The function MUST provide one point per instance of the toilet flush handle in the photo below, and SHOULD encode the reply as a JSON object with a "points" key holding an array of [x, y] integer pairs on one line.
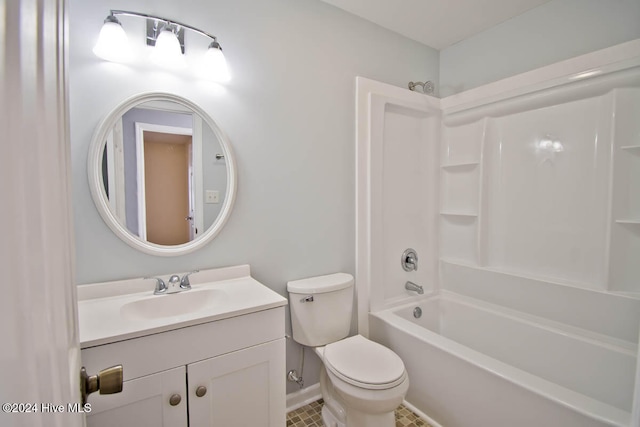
{"points": [[308, 298]]}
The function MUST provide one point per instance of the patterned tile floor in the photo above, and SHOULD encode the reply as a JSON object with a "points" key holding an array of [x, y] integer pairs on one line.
{"points": [[309, 416]]}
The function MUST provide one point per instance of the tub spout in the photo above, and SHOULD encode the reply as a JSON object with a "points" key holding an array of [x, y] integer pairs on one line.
{"points": [[410, 286]]}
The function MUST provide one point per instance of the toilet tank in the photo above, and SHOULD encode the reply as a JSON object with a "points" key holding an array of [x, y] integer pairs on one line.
{"points": [[321, 308]]}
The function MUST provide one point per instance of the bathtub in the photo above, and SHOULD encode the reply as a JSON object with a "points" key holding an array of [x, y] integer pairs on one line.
{"points": [[472, 363]]}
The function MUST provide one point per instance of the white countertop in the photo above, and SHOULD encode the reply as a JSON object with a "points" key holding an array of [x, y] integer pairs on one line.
{"points": [[103, 320]]}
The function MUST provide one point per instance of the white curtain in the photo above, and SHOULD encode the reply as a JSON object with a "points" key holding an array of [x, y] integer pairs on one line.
{"points": [[39, 352]]}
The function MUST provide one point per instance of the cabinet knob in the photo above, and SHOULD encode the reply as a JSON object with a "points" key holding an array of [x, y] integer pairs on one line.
{"points": [[201, 391], [175, 399]]}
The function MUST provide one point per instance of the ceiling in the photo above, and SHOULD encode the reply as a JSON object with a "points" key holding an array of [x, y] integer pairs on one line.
{"points": [[436, 23]]}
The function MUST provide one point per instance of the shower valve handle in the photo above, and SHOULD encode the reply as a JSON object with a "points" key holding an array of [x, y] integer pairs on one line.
{"points": [[409, 260]]}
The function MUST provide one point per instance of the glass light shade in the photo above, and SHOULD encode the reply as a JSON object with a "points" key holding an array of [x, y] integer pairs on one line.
{"points": [[113, 44], [214, 65], [167, 52]]}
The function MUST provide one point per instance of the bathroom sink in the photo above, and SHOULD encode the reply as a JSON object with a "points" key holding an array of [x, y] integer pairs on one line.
{"points": [[115, 311], [186, 302]]}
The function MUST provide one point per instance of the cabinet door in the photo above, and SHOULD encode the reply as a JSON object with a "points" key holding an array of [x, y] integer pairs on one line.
{"points": [[143, 402], [243, 388]]}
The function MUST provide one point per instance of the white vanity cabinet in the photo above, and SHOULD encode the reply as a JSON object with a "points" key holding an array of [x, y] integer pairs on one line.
{"points": [[226, 373], [243, 388], [143, 402]]}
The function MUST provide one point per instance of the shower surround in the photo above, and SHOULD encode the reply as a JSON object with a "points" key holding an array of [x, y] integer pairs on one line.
{"points": [[522, 200]]}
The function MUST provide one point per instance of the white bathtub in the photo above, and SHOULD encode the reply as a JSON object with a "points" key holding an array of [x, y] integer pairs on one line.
{"points": [[472, 363]]}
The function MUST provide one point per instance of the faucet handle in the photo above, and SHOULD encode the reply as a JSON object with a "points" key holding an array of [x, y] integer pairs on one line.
{"points": [[409, 260], [161, 287], [184, 283]]}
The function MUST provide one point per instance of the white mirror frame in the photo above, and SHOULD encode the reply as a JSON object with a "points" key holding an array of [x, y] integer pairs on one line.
{"points": [[94, 171]]}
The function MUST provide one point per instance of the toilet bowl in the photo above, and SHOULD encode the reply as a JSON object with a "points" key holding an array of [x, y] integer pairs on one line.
{"points": [[362, 382]]}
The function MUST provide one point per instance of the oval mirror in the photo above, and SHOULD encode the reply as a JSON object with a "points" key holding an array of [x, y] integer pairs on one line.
{"points": [[162, 174]]}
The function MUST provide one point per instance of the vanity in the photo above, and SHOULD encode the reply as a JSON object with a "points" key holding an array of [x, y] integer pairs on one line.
{"points": [[213, 355], [209, 348]]}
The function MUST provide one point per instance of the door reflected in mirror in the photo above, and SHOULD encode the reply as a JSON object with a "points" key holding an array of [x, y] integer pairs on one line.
{"points": [[163, 173]]}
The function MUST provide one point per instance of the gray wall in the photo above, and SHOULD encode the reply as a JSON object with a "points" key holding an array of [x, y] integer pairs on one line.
{"points": [[555, 31], [289, 113], [214, 174]]}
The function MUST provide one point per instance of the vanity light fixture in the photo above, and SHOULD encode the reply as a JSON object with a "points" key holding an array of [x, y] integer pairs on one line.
{"points": [[167, 51], [112, 44], [167, 38], [214, 64]]}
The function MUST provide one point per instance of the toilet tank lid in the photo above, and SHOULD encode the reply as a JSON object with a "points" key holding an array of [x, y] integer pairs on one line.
{"points": [[320, 284]]}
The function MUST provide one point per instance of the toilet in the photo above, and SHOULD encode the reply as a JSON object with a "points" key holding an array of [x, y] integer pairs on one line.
{"points": [[362, 382]]}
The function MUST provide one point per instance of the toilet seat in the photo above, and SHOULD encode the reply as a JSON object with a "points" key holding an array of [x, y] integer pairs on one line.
{"points": [[364, 363]]}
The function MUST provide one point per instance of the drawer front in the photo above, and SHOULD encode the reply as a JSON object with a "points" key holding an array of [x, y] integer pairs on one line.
{"points": [[166, 350]]}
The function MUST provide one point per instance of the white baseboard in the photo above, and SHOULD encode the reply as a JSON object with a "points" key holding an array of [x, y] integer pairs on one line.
{"points": [[303, 397], [421, 414]]}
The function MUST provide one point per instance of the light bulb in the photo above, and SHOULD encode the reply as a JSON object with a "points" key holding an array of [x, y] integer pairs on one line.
{"points": [[167, 52], [214, 65], [112, 44]]}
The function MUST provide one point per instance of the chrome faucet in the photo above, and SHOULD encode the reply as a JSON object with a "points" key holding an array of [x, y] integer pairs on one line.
{"points": [[410, 286], [161, 287], [176, 284], [185, 285], [409, 260]]}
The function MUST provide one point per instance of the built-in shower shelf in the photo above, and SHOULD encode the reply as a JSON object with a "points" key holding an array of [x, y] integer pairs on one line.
{"points": [[460, 166], [633, 148], [628, 221], [459, 214]]}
